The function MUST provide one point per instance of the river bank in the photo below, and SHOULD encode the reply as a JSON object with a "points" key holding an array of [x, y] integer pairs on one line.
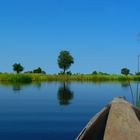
{"points": [[28, 78]]}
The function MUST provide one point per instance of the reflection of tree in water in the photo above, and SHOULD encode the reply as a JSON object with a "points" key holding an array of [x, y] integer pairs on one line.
{"points": [[38, 85], [65, 95], [138, 96], [17, 87], [125, 85], [137, 101]]}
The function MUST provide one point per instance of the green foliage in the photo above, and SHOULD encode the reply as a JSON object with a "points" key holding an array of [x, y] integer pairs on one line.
{"points": [[138, 73], [69, 73], [15, 78], [94, 72], [28, 72], [20, 78], [26, 78], [65, 60], [18, 68], [61, 73], [99, 73], [103, 73], [125, 71], [38, 70]]}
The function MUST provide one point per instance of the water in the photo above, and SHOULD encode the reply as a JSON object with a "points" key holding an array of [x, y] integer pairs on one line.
{"points": [[51, 111]]}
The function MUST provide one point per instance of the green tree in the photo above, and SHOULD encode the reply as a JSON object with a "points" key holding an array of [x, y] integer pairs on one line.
{"points": [[94, 72], [18, 67], [125, 71], [38, 70], [65, 60]]}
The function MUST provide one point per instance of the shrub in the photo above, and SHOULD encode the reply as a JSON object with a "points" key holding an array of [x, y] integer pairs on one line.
{"points": [[21, 78]]}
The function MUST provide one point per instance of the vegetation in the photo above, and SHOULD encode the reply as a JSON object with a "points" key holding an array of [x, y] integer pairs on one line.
{"points": [[99, 73], [15, 78], [18, 68], [137, 73], [94, 72], [125, 71], [37, 71], [26, 78], [65, 60]]}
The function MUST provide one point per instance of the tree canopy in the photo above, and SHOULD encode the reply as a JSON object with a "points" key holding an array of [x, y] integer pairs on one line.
{"points": [[125, 71], [38, 70], [18, 67], [65, 59]]}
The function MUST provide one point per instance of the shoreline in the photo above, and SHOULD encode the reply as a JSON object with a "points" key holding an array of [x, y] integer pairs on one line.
{"points": [[29, 78]]}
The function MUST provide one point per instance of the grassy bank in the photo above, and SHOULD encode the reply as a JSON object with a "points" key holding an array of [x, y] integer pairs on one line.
{"points": [[28, 78], [14, 78]]}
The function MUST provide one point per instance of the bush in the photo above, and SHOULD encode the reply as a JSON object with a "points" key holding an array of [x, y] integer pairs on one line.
{"points": [[137, 73], [94, 72], [69, 73], [21, 78]]}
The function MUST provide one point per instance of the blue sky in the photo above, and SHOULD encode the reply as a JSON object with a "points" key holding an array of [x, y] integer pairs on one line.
{"points": [[100, 34]]}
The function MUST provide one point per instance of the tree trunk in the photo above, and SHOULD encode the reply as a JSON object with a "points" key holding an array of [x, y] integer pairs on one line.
{"points": [[64, 70]]}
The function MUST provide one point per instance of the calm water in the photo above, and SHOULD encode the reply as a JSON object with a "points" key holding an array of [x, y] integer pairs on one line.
{"points": [[51, 111]]}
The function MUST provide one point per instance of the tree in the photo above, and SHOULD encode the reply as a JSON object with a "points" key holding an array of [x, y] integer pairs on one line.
{"points": [[125, 71], [65, 60], [18, 68], [38, 70], [94, 72]]}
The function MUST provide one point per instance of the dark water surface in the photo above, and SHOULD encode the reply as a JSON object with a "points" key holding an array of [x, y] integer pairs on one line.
{"points": [[51, 111]]}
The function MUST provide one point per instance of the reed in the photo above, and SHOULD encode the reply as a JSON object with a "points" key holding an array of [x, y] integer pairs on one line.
{"points": [[15, 78], [27, 78]]}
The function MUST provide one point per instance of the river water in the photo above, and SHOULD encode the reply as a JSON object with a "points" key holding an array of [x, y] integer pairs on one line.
{"points": [[50, 111]]}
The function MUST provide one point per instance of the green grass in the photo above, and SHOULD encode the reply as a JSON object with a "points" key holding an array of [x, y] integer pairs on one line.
{"points": [[15, 78], [28, 78]]}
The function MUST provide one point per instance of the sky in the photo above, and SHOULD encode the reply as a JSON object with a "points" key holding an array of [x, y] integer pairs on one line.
{"points": [[101, 35]]}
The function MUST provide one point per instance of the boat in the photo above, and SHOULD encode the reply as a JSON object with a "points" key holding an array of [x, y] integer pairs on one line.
{"points": [[119, 120]]}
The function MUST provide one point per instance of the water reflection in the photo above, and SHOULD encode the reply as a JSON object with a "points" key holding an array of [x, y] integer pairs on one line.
{"points": [[128, 85], [125, 84], [137, 95], [65, 95], [38, 85], [16, 88]]}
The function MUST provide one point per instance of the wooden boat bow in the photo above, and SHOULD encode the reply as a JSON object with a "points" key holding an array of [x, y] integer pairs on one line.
{"points": [[122, 123], [117, 121]]}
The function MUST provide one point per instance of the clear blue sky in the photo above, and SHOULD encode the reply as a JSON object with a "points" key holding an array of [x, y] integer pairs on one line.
{"points": [[100, 34]]}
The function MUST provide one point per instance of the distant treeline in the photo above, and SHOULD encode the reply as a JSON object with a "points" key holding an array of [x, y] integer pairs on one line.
{"points": [[64, 61]]}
